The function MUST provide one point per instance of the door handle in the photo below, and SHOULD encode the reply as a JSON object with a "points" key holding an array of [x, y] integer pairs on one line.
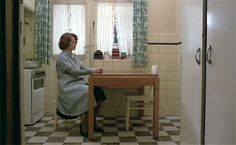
{"points": [[197, 56], [208, 55]]}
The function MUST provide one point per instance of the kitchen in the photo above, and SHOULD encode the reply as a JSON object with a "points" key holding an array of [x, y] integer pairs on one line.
{"points": [[165, 50]]}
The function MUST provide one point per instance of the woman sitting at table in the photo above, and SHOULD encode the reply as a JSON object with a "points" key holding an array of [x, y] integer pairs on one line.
{"points": [[73, 90]]}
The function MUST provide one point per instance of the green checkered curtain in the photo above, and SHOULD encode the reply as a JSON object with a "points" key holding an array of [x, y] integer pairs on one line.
{"points": [[43, 31], [140, 34]]}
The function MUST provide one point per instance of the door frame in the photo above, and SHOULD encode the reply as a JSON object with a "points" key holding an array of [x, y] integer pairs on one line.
{"points": [[203, 89], [11, 133], [3, 73]]}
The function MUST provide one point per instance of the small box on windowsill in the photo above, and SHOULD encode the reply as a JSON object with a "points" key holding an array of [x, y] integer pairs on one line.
{"points": [[98, 54], [123, 55], [115, 53]]}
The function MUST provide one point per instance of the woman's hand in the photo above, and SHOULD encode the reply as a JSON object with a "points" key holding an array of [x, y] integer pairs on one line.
{"points": [[97, 71]]}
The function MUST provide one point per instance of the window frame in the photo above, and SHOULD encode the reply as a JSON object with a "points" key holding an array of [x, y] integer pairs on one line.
{"points": [[95, 22]]}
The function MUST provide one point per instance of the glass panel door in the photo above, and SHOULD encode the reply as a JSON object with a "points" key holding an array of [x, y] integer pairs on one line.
{"points": [[72, 16]]}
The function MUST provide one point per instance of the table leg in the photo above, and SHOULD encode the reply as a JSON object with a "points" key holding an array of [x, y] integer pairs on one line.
{"points": [[156, 112], [141, 111], [90, 110]]}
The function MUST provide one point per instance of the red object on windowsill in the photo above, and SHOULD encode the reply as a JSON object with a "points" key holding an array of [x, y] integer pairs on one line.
{"points": [[115, 53]]}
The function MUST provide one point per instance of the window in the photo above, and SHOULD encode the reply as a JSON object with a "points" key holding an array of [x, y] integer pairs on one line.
{"points": [[123, 11], [69, 18]]}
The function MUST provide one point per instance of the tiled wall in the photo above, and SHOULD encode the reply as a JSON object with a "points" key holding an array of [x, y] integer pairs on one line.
{"points": [[29, 34], [167, 57]]}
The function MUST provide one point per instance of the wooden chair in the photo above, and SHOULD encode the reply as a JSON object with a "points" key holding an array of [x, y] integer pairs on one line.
{"points": [[146, 99], [56, 117]]}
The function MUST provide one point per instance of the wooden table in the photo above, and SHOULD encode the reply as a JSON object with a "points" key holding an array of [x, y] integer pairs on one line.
{"points": [[123, 81]]}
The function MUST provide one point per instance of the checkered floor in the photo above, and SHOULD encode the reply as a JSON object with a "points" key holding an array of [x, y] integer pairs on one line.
{"points": [[67, 132]]}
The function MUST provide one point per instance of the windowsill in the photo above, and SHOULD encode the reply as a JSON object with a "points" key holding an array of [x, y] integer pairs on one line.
{"points": [[82, 57], [110, 59]]}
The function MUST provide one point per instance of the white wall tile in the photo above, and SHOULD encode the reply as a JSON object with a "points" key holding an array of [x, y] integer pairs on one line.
{"points": [[153, 37], [163, 76], [173, 49], [107, 66], [163, 93], [171, 102], [163, 67], [178, 58], [172, 93], [164, 38], [172, 84], [172, 76], [163, 85], [172, 66], [29, 35], [154, 58], [116, 66], [163, 102], [164, 49], [164, 58], [154, 49], [126, 66], [172, 58], [174, 38], [98, 63]]}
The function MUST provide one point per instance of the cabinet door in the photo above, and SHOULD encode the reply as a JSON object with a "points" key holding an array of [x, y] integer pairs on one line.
{"points": [[191, 16], [220, 74]]}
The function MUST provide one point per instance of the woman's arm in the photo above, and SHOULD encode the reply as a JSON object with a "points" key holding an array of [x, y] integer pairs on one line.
{"points": [[94, 70], [64, 65]]}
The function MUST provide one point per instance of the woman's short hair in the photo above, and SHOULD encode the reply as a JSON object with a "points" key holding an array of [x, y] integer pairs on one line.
{"points": [[65, 39]]}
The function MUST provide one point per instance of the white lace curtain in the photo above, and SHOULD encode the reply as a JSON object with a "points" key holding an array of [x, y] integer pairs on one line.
{"points": [[69, 18], [124, 26], [74, 20]]}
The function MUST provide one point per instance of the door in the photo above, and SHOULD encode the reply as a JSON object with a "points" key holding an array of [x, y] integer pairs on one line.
{"points": [[191, 20], [220, 74], [73, 16]]}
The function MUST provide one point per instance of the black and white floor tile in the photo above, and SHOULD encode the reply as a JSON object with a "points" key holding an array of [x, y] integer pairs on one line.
{"points": [[140, 133]]}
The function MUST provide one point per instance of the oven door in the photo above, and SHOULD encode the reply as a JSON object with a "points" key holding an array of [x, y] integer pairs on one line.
{"points": [[38, 98]]}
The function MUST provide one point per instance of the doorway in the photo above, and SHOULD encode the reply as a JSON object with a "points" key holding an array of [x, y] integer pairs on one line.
{"points": [[167, 55]]}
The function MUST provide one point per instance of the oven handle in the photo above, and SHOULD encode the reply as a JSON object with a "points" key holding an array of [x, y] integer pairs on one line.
{"points": [[38, 78]]}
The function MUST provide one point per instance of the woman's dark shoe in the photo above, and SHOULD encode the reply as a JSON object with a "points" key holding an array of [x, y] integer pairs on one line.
{"points": [[98, 129], [85, 134]]}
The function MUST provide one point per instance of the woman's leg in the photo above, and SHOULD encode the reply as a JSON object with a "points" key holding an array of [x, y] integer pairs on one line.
{"points": [[85, 119], [84, 126], [85, 123], [96, 111], [99, 97]]}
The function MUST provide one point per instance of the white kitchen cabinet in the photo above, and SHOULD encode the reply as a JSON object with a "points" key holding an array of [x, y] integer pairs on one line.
{"points": [[220, 72], [30, 4], [208, 97], [191, 27]]}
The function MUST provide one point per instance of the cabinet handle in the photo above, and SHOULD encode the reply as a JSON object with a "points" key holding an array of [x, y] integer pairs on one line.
{"points": [[208, 57], [197, 56]]}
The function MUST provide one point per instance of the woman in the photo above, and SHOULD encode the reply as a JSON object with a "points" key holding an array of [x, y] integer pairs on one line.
{"points": [[73, 90]]}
